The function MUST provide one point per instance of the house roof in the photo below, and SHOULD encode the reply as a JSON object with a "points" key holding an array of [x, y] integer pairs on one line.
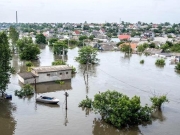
{"points": [[122, 37], [27, 75], [77, 32], [133, 45], [51, 68]]}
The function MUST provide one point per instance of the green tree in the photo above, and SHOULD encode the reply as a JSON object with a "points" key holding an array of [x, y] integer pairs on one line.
{"points": [[165, 47], [59, 46], [5, 57], [27, 90], [52, 41], [177, 67], [28, 50], [87, 54], [40, 39], [160, 62], [126, 48], [58, 62], [91, 37], [14, 36], [118, 109], [140, 48], [81, 38], [157, 101], [152, 45]]}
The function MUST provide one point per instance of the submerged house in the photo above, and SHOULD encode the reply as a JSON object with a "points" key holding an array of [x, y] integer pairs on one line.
{"points": [[46, 74]]}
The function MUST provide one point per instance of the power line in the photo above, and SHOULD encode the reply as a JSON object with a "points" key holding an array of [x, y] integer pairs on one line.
{"points": [[134, 86]]}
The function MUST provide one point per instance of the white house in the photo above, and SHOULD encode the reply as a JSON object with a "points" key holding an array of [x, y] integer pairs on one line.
{"points": [[46, 74]]}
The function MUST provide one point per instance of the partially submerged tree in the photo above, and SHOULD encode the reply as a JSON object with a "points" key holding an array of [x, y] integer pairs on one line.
{"points": [[177, 67], [52, 41], [157, 101], [118, 109], [5, 57], [87, 54], [160, 62], [58, 62], [40, 39], [28, 50], [27, 90], [126, 48], [60, 47], [81, 38], [14, 36]]}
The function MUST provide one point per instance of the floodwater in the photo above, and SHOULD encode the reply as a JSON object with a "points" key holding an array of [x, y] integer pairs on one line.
{"points": [[23, 116]]}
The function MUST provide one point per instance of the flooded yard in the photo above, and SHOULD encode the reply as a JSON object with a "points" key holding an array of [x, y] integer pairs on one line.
{"points": [[114, 72]]}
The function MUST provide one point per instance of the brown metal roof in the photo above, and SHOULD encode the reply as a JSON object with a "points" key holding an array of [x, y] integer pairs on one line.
{"points": [[51, 68]]}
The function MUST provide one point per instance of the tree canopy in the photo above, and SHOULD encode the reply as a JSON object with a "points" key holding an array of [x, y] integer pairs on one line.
{"points": [[126, 48], [14, 36], [27, 49], [40, 39], [52, 41], [5, 57], [118, 109], [83, 37], [87, 54], [59, 46]]}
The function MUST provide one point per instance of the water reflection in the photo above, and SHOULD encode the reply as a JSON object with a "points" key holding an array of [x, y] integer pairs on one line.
{"points": [[48, 105], [87, 110], [66, 118], [53, 87], [158, 115], [41, 46], [7, 122], [91, 69], [102, 128], [57, 57]]}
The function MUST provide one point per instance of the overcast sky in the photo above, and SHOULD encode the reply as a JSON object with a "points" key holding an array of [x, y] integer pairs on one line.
{"points": [[90, 10]]}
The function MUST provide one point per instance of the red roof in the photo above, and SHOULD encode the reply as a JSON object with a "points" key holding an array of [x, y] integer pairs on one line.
{"points": [[77, 32], [124, 37]]}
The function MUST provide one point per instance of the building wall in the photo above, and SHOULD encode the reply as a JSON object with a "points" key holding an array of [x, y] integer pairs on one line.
{"points": [[30, 81], [21, 79], [53, 76]]}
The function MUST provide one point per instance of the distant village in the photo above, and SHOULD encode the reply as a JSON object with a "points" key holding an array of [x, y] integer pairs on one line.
{"points": [[107, 36]]}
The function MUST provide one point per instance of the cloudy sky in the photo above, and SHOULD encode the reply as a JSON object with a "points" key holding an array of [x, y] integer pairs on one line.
{"points": [[90, 10]]}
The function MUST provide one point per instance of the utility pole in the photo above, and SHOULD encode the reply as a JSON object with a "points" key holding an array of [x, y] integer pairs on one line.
{"points": [[66, 95]]}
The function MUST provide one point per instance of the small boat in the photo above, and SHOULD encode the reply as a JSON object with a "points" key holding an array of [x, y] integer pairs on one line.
{"points": [[6, 96], [47, 100]]}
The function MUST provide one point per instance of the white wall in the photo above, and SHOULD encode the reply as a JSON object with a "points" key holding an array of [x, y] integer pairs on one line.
{"points": [[43, 77]]}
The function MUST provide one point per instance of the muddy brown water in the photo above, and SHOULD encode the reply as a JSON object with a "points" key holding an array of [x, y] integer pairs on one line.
{"points": [[115, 72]]}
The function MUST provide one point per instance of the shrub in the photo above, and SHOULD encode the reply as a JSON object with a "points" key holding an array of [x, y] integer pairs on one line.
{"points": [[58, 62], [86, 103], [13, 71], [177, 67], [29, 64], [118, 109], [146, 53], [60, 82], [25, 91], [160, 62], [73, 70], [157, 101], [142, 61]]}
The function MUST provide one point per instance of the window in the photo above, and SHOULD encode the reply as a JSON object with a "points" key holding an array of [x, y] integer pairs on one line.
{"points": [[48, 74], [60, 73], [66, 72]]}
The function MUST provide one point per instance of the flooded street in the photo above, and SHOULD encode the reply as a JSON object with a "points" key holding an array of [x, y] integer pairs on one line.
{"points": [[114, 72]]}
